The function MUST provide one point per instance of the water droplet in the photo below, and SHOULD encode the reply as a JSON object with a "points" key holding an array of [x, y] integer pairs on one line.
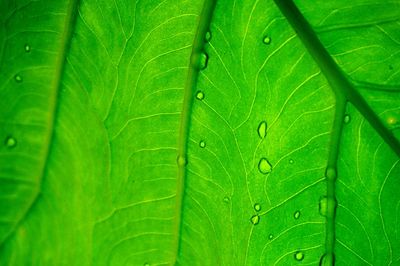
{"points": [[299, 256], [18, 78], [10, 142], [346, 119], [267, 40], [392, 120], [330, 173], [226, 199], [291, 161], [270, 236], [296, 215], [200, 95], [255, 219], [262, 129], [264, 166], [208, 36], [327, 259], [181, 160], [203, 61], [27, 48], [257, 207], [323, 206], [202, 144], [146, 264]]}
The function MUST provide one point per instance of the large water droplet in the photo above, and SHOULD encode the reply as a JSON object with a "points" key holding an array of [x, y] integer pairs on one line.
{"points": [[10, 142], [203, 61], [27, 48], [296, 215], [18, 78], [264, 166], [262, 129], [208, 36], [267, 40], [257, 207], [255, 219], [181, 160], [330, 173], [346, 119], [200, 95], [202, 144], [323, 206], [299, 256]]}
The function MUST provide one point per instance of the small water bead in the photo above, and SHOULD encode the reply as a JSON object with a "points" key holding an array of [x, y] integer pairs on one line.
{"points": [[330, 173], [200, 95], [10, 142], [18, 78], [208, 36], [392, 120], [226, 199], [296, 215], [203, 61], [299, 256], [146, 264], [323, 206], [255, 219], [264, 166], [262, 129], [257, 207], [181, 160], [346, 119], [291, 161], [271, 236], [267, 40], [27, 48], [202, 144]]}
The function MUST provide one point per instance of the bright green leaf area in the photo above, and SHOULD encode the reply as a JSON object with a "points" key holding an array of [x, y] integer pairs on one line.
{"points": [[188, 132]]}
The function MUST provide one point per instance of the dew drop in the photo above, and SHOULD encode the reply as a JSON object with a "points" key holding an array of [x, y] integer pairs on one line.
{"points": [[392, 121], [10, 142], [27, 48], [257, 207], [181, 160], [146, 264], [255, 219], [323, 206], [262, 129], [330, 173], [18, 78], [202, 144], [264, 166], [226, 199], [346, 119], [291, 161], [299, 256], [200, 95], [208, 36], [270, 236], [267, 40], [296, 215], [203, 61]]}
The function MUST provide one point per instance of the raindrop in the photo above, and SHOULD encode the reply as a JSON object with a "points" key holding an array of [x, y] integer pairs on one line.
{"points": [[257, 207], [226, 199], [262, 129], [146, 264], [202, 144], [346, 119], [299, 256], [203, 61], [10, 142], [291, 161], [208, 36], [296, 215], [18, 78], [330, 173], [255, 219], [323, 206], [270, 236], [267, 40], [391, 121], [181, 160], [27, 48], [264, 166], [200, 95]]}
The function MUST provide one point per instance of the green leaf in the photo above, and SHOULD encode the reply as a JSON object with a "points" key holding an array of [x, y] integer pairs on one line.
{"points": [[199, 132]]}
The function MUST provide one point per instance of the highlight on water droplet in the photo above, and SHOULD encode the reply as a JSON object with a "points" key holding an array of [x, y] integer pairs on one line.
{"points": [[181, 160], [257, 207], [296, 215], [202, 144], [262, 129], [323, 206], [330, 173], [264, 166], [346, 119], [18, 78], [208, 36], [271, 236], [299, 256], [291, 161], [200, 95], [391, 120], [255, 219], [267, 40], [10, 142], [203, 61], [27, 48]]}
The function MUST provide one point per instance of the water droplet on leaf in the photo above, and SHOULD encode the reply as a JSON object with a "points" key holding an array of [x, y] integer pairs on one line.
{"points": [[27, 48], [346, 119], [203, 61], [296, 215], [208, 36], [264, 166], [267, 40], [257, 207], [392, 121], [146, 264], [270, 236], [181, 160], [330, 173], [200, 95], [299, 256], [10, 142], [18, 78], [262, 129], [226, 199], [291, 161], [255, 219], [323, 206], [202, 144]]}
